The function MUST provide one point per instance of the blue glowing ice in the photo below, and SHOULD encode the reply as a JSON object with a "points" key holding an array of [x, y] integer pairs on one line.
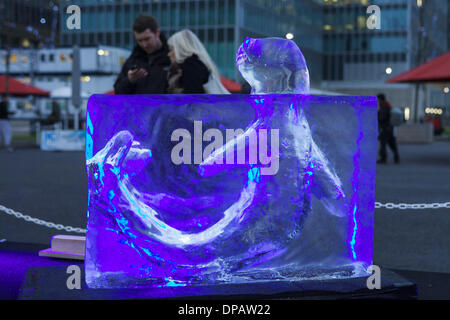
{"points": [[297, 204], [273, 65]]}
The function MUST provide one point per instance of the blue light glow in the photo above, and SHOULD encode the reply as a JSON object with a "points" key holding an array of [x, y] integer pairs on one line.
{"points": [[174, 226], [355, 186]]}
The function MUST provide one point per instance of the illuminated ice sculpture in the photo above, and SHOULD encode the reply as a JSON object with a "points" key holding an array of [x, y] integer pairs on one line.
{"points": [[206, 189]]}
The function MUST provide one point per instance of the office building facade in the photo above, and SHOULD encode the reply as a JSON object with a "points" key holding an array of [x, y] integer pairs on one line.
{"points": [[221, 25], [359, 60], [29, 23], [342, 53]]}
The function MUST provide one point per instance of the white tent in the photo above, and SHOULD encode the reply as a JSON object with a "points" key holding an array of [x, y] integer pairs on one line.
{"points": [[326, 93], [64, 96], [65, 93]]}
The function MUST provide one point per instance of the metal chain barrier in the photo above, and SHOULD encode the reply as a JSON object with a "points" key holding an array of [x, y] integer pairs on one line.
{"points": [[41, 222], [414, 206], [378, 205]]}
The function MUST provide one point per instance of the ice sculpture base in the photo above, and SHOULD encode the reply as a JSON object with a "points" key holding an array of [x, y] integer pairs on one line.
{"points": [[44, 283], [117, 280]]}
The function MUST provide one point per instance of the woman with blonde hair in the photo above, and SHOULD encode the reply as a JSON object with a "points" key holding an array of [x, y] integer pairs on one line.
{"points": [[192, 69]]}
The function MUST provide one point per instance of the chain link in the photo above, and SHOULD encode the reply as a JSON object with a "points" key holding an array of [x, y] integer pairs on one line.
{"points": [[414, 206], [41, 222], [378, 205]]}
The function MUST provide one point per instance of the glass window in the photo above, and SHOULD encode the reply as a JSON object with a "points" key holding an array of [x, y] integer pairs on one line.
{"points": [[394, 57], [221, 12], [325, 68], [231, 59], [165, 15], [109, 19], [127, 40], [221, 55], [101, 18], [91, 20], [83, 39], [127, 21], [155, 10], [191, 13], [340, 71], [210, 48], [361, 22], [387, 44], [109, 39], [202, 19], [182, 14], [174, 14], [231, 13], [394, 19], [119, 19], [201, 35], [212, 13]]}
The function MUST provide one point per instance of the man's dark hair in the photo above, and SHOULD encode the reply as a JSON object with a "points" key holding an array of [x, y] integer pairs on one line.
{"points": [[381, 96], [144, 22]]}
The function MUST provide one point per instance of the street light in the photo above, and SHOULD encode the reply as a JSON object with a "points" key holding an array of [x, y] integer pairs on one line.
{"points": [[407, 113], [388, 70], [25, 43], [289, 36]]}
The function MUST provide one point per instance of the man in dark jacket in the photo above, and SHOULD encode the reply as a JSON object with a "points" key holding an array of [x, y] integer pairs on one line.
{"points": [[386, 130], [5, 126], [145, 71]]}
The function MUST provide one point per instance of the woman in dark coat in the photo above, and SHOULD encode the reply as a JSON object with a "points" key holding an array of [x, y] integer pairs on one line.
{"points": [[191, 70]]}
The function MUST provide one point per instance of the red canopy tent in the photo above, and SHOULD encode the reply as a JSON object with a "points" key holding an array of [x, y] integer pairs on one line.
{"points": [[19, 88], [229, 84], [435, 70]]}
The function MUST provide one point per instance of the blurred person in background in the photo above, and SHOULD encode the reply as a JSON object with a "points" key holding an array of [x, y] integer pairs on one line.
{"points": [[5, 126], [192, 69], [386, 130], [145, 71], [55, 116], [246, 88]]}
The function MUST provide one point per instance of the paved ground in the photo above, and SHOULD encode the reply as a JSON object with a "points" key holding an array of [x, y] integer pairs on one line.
{"points": [[414, 239], [47, 185], [52, 186]]}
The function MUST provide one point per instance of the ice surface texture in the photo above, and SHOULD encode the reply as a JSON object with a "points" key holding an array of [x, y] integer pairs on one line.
{"points": [[273, 65], [152, 222], [295, 201]]}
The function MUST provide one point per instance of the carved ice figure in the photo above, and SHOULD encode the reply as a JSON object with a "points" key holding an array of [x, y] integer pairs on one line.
{"points": [[214, 221], [276, 65], [110, 170], [273, 65]]}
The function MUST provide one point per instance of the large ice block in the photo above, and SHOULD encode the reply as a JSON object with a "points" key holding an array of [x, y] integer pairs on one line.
{"points": [[297, 204]]}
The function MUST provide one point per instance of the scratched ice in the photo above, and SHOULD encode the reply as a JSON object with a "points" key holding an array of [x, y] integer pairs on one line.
{"points": [[152, 222], [273, 65]]}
